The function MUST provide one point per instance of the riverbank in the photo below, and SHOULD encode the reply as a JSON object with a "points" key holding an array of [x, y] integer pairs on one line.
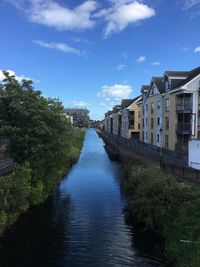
{"points": [[162, 203], [168, 207], [29, 185]]}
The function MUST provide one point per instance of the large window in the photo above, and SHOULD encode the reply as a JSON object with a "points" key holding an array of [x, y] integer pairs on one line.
{"points": [[152, 123], [152, 108], [166, 141], [158, 104], [166, 123], [158, 138], [152, 138], [167, 104], [158, 121]]}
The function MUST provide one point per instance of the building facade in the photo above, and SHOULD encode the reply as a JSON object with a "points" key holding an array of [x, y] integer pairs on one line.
{"points": [[80, 116], [130, 117]]}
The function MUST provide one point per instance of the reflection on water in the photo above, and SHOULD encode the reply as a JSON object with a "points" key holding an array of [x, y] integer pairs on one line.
{"points": [[82, 224]]}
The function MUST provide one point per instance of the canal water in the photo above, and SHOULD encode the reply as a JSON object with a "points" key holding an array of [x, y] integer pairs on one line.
{"points": [[82, 224]]}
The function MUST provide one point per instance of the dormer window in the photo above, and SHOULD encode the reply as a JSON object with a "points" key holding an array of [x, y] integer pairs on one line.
{"points": [[167, 85]]}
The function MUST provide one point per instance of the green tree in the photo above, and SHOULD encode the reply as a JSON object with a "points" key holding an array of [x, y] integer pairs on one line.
{"points": [[32, 123]]}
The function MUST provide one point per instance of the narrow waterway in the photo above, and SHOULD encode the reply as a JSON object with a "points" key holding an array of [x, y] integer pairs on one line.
{"points": [[82, 224]]}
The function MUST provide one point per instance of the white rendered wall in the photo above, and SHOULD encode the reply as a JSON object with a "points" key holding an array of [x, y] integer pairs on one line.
{"points": [[194, 154]]}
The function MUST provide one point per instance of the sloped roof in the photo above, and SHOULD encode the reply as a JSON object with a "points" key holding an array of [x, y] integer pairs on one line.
{"points": [[116, 108], [175, 82], [193, 73], [144, 89], [126, 102], [159, 84], [177, 73]]}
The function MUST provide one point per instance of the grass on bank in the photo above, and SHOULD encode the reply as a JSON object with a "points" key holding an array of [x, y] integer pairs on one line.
{"points": [[169, 207]]}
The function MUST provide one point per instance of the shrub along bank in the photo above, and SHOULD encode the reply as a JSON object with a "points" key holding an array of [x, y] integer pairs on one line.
{"points": [[41, 142], [169, 207]]}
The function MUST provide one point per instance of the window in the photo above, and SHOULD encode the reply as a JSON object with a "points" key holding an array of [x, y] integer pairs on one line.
{"points": [[158, 104], [146, 107], [167, 104], [166, 141], [152, 123], [146, 121], [152, 108], [142, 136], [168, 85], [158, 121], [166, 123], [146, 136], [158, 138], [143, 122], [152, 138]]}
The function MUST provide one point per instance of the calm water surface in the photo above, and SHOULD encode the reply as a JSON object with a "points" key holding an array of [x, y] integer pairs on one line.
{"points": [[82, 224]]}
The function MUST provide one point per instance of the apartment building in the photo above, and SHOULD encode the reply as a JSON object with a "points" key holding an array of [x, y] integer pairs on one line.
{"points": [[167, 114], [181, 108], [143, 114], [171, 110], [130, 117], [152, 120], [79, 116], [117, 120], [108, 122]]}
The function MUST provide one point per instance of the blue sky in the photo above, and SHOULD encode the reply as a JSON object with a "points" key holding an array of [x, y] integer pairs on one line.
{"points": [[94, 53]]}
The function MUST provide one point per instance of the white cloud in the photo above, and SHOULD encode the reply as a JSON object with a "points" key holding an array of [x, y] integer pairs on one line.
{"points": [[121, 67], [156, 63], [52, 14], [102, 104], [12, 73], [141, 59], [80, 104], [197, 49], [115, 92], [124, 55], [79, 40], [122, 13], [61, 47], [190, 3]]}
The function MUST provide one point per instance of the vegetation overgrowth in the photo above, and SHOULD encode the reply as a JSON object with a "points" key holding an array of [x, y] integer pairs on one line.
{"points": [[169, 207], [42, 143]]}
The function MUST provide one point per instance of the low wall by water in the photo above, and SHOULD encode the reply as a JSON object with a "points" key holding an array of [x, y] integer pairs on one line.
{"points": [[173, 162]]}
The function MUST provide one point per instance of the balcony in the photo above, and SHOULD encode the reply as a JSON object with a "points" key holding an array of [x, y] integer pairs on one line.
{"points": [[184, 128], [184, 108], [182, 147], [130, 117], [131, 126]]}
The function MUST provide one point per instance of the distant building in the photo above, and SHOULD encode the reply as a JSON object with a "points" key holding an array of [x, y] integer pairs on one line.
{"points": [[130, 117], [79, 117]]}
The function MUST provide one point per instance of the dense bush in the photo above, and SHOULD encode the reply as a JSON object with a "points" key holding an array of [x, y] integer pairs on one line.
{"points": [[42, 143], [169, 207]]}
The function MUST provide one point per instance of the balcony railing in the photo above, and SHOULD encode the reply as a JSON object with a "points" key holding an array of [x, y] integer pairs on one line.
{"points": [[184, 128], [184, 108], [182, 147], [130, 118], [131, 126]]}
